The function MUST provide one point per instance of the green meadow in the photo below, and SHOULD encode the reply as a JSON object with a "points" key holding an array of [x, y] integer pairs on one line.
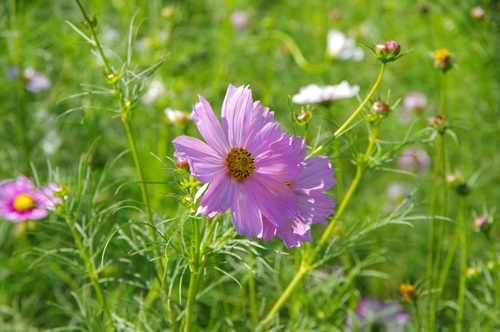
{"points": [[94, 92]]}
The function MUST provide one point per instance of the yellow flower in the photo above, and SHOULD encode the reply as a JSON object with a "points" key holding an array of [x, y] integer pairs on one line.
{"points": [[443, 59]]}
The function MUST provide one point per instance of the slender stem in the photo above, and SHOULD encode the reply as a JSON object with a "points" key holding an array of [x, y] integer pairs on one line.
{"points": [[417, 315], [363, 104], [463, 263], [346, 124], [195, 278], [251, 291], [309, 257], [297, 55], [286, 294], [434, 254], [125, 110]]}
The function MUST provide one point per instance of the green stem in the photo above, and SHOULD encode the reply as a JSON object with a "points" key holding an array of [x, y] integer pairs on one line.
{"points": [[125, 110], [433, 263], [309, 258], [195, 278], [463, 264], [346, 124], [251, 291], [417, 315], [297, 54]]}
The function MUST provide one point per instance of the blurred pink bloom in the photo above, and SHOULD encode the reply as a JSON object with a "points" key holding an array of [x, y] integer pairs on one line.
{"points": [[313, 93], [20, 200], [375, 315], [239, 20], [414, 159], [34, 81], [415, 101]]}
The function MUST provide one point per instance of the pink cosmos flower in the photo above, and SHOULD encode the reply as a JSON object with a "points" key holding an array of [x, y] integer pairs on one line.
{"points": [[375, 315], [20, 200], [313, 205], [414, 159], [246, 161], [276, 192]]}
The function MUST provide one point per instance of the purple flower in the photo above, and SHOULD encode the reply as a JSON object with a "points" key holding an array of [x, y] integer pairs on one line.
{"points": [[20, 200], [373, 313], [313, 205], [414, 160], [239, 20], [247, 162], [415, 101], [34, 81]]}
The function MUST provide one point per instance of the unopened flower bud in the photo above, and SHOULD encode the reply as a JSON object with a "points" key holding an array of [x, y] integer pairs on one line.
{"points": [[472, 273], [181, 163], [463, 189], [482, 224], [380, 107], [438, 122], [387, 52], [443, 59], [408, 291], [304, 117]]}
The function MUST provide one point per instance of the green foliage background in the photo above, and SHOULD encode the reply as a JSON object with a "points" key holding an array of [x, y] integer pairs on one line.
{"points": [[202, 53]]}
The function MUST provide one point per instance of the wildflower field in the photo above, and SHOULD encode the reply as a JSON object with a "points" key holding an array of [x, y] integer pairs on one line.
{"points": [[229, 165]]}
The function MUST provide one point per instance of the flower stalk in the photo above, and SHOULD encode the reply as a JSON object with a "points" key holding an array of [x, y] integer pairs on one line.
{"points": [[309, 257], [342, 129]]}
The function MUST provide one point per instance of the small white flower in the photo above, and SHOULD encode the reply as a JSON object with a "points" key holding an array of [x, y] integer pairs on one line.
{"points": [[177, 117], [313, 93], [341, 48], [156, 89]]}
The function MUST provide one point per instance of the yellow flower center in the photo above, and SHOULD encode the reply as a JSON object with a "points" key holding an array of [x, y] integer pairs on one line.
{"points": [[288, 184], [24, 202], [240, 164]]}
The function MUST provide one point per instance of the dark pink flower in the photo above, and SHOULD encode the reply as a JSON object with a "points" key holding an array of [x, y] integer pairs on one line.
{"points": [[20, 200]]}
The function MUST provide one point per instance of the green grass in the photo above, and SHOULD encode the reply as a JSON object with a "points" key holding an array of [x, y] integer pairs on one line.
{"points": [[73, 134]]}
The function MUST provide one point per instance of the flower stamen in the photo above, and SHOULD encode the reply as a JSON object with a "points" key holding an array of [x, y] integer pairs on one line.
{"points": [[240, 164], [23, 202]]}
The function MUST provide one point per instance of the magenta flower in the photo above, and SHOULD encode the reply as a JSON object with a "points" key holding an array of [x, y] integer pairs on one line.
{"points": [[313, 205], [247, 161], [20, 200], [375, 315]]}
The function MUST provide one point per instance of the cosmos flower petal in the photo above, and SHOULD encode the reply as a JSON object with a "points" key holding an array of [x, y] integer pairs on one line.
{"points": [[218, 197], [236, 114], [205, 164], [278, 200], [269, 230], [247, 218], [317, 174], [278, 160], [293, 233], [209, 127]]}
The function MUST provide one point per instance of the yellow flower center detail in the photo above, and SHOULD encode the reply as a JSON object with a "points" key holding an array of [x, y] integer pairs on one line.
{"points": [[240, 164], [288, 184], [24, 202]]}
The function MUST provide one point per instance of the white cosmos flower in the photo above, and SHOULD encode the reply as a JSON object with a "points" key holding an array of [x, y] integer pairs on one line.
{"points": [[339, 47], [156, 89], [313, 93], [177, 117]]}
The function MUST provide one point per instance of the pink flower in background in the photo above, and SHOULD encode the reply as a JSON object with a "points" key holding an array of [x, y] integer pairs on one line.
{"points": [[34, 81], [375, 315], [20, 200], [414, 160], [313, 205], [246, 161], [415, 101], [239, 20]]}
